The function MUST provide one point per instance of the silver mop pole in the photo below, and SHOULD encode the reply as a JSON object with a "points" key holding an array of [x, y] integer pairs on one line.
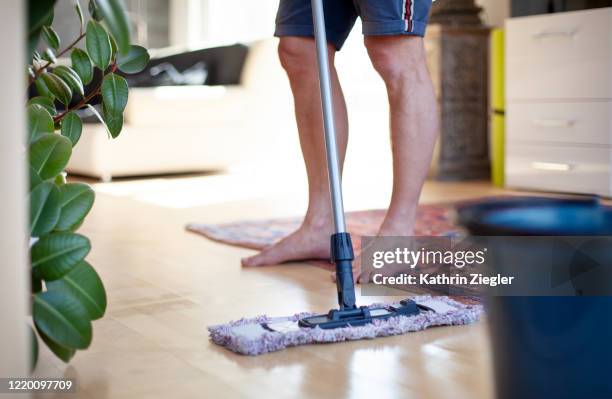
{"points": [[341, 245], [333, 165]]}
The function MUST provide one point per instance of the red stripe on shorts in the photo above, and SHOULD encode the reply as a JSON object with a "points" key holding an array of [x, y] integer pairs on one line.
{"points": [[409, 14]]}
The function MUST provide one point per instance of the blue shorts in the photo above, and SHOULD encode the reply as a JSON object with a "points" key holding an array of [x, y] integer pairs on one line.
{"points": [[379, 18]]}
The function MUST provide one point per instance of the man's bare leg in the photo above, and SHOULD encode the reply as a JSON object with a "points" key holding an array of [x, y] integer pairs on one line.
{"points": [[402, 64], [311, 240]]}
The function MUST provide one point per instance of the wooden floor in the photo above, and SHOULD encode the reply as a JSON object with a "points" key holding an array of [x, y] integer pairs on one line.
{"points": [[166, 285]]}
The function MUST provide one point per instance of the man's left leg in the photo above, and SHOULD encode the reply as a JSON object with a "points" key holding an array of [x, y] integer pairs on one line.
{"points": [[401, 62]]}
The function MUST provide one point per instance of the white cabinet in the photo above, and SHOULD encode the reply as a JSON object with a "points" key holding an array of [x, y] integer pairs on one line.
{"points": [[559, 102]]}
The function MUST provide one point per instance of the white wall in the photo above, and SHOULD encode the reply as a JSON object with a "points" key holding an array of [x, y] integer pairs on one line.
{"points": [[13, 286], [215, 22], [495, 11], [185, 15], [240, 20]]}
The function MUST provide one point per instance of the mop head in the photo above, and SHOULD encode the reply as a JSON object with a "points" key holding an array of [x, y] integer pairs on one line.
{"points": [[251, 337]]}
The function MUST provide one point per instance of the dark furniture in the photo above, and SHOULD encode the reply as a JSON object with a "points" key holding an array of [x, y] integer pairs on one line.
{"points": [[224, 65], [458, 55]]}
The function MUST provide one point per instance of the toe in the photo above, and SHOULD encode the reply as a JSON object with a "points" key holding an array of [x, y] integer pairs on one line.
{"points": [[268, 256], [253, 261], [247, 262]]}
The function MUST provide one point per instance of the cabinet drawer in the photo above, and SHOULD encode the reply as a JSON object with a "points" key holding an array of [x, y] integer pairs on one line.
{"points": [[565, 55], [557, 168], [581, 122]]}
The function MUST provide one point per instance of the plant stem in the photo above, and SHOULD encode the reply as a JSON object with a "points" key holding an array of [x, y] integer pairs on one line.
{"points": [[38, 71], [80, 104], [85, 99]]}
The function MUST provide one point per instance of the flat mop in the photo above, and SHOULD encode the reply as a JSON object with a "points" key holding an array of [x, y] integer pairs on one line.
{"points": [[349, 322]]}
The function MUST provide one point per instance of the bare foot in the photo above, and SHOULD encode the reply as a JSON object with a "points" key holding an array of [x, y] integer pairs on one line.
{"points": [[307, 242]]}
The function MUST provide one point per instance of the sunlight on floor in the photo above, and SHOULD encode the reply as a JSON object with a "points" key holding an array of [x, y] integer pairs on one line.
{"points": [[382, 365], [363, 188], [190, 192]]}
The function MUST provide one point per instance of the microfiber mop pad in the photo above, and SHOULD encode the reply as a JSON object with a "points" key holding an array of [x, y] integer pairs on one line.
{"points": [[251, 337]]}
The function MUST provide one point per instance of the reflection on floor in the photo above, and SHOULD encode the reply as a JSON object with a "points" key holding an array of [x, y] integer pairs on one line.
{"points": [[166, 285]]}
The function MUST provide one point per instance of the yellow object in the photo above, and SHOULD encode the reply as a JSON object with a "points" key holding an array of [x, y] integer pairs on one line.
{"points": [[498, 125], [498, 107]]}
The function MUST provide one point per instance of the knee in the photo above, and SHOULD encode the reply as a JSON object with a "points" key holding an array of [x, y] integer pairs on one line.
{"points": [[385, 61], [398, 60], [297, 56]]}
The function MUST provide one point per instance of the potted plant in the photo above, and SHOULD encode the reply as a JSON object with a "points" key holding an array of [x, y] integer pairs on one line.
{"points": [[67, 293]]}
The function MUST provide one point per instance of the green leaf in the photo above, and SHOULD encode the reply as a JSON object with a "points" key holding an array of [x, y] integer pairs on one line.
{"points": [[32, 43], [60, 179], [42, 88], [116, 19], [33, 349], [99, 117], [35, 180], [75, 203], [39, 121], [65, 354], [72, 127], [72, 79], [94, 11], [36, 283], [134, 61], [98, 45], [58, 87], [44, 102], [62, 319], [39, 13], [44, 209], [56, 254], [49, 55], [113, 48], [49, 155], [84, 285], [114, 122], [51, 37], [79, 11], [114, 93], [82, 65]]}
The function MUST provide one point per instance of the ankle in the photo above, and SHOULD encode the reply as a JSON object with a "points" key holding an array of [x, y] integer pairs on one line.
{"points": [[398, 224], [318, 222]]}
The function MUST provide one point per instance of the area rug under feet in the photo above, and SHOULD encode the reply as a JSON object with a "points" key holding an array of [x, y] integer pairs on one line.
{"points": [[432, 220]]}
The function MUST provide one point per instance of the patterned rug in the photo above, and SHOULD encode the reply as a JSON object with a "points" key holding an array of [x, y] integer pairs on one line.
{"points": [[432, 220]]}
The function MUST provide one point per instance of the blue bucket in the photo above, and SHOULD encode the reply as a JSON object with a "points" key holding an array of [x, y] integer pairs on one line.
{"points": [[547, 347]]}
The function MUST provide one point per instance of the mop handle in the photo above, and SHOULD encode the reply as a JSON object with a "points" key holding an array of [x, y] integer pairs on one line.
{"points": [[333, 168]]}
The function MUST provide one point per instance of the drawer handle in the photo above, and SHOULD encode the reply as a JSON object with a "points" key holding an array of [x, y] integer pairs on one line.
{"points": [[552, 166], [551, 33], [553, 122]]}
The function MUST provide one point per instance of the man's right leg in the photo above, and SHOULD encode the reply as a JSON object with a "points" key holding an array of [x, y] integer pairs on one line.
{"points": [[311, 240]]}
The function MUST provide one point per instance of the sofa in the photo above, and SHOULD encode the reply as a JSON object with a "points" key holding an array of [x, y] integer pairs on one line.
{"points": [[195, 128]]}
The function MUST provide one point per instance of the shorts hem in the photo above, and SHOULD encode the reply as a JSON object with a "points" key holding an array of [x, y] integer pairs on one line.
{"points": [[293, 30], [394, 28], [335, 37]]}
